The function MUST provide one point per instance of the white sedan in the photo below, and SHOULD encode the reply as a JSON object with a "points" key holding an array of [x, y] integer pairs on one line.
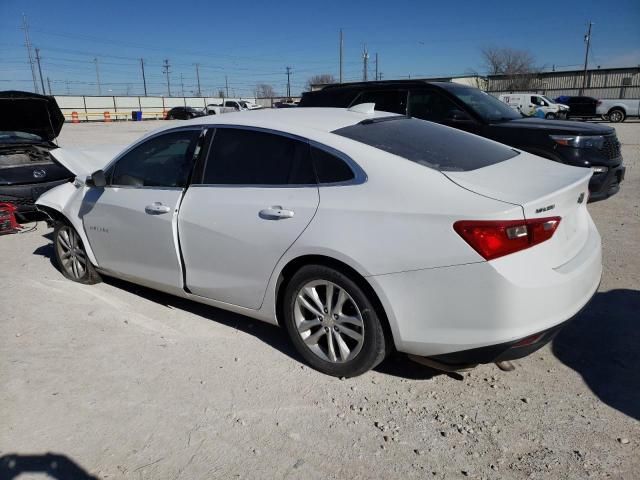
{"points": [[359, 232]]}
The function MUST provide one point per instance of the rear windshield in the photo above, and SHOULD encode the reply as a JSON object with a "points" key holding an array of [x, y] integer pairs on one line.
{"points": [[429, 144]]}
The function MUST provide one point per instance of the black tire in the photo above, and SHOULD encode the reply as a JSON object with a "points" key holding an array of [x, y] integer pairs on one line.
{"points": [[69, 249], [170, 117], [550, 116], [373, 345], [616, 115]]}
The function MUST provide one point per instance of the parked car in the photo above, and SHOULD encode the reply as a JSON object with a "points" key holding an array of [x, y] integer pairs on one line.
{"points": [[618, 110], [184, 113], [580, 107], [239, 105], [470, 109], [356, 231], [529, 103], [29, 123], [219, 109], [285, 104]]}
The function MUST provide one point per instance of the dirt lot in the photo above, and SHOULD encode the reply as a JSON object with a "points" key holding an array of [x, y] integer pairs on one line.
{"points": [[130, 383]]}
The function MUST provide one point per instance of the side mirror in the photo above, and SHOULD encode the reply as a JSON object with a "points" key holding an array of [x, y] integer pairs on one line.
{"points": [[97, 179], [458, 116]]}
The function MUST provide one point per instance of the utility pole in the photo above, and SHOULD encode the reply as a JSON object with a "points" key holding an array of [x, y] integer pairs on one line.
{"points": [[587, 38], [365, 61], [377, 67], [165, 70], [341, 48], [95, 60], [68, 89], [49, 83], [40, 70], [144, 79], [288, 82], [198, 77], [226, 85], [27, 42], [182, 84]]}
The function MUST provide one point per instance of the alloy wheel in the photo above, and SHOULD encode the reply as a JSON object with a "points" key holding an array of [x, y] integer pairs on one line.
{"points": [[328, 321], [72, 256]]}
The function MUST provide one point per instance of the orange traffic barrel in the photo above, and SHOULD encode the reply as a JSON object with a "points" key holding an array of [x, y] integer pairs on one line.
{"points": [[107, 117], [74, 117]]}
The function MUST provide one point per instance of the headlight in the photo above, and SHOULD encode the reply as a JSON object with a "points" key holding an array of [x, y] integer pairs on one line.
{"points": [[599, 169], [577, 141]]}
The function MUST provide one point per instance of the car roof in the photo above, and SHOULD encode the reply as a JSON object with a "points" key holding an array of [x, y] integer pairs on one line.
{"points": [[299, 121]]}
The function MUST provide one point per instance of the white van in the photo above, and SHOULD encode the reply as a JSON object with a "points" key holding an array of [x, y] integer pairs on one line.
{"points": [[532, 103]]}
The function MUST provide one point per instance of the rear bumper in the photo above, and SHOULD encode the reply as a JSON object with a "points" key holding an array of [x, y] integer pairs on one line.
{"points": [[486, 308]]}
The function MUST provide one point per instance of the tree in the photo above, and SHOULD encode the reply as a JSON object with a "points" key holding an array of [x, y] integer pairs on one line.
{"points": [[518, 66], [322, 79], [264, 90]]}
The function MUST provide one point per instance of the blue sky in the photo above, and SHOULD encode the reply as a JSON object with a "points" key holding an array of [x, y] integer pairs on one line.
{"points": [[253, 42]]}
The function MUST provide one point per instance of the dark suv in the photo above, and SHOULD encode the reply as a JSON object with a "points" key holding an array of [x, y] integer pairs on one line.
{"points": [[184, 113], [470, 109]]}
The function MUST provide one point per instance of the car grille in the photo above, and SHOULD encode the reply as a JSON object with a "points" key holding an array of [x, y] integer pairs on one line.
{"points": [[611, 147], [26, 201]]}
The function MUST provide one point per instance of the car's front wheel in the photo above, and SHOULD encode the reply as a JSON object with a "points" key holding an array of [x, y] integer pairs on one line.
{"points": [[332, 322], [71, 255], [550, 116]]}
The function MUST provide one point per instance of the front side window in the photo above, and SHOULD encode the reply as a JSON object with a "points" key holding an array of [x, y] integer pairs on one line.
{"points": [[394, 101], [163, 161], [250, 157], [486, 106], [431, 105]]}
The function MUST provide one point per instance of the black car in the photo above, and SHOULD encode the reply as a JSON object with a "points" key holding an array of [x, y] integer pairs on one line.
{"points": [[470, 109], [184, 113], [580, 107], [28, 125]]}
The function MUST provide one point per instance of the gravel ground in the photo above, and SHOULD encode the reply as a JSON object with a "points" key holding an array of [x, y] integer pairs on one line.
{"points": [[129, 383]]}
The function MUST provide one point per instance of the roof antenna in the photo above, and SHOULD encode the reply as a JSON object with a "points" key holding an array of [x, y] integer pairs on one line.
{"points": [[366, 108]]}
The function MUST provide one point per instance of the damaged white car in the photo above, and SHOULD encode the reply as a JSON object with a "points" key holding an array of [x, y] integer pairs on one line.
{"points": [[359, 232]]}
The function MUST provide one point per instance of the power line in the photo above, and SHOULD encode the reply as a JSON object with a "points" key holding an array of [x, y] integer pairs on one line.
{"points": [[97, 75], [27, 42]]}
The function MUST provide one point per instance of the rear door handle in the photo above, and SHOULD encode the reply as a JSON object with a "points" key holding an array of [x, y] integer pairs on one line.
{"points": [[157, 208], [275, 213]]}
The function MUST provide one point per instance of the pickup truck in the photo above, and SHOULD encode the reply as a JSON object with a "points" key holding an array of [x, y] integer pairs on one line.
{"points": [[617, 110], [466, 108], [219, 109]]}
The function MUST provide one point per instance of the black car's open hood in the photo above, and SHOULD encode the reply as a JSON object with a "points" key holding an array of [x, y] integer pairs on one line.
{"points": [[30, 113]]}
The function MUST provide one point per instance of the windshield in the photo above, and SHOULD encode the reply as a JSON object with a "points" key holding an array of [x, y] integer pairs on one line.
{"points": [[487, 106], [547, 99], [18, 137]]}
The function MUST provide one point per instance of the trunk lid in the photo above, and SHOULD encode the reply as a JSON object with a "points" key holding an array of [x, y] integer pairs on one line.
{"points": [[543, 189], [30, 113]]}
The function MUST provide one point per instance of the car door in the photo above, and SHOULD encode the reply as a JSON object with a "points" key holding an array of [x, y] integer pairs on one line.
{"points": [[257, 194], [131, 223]]}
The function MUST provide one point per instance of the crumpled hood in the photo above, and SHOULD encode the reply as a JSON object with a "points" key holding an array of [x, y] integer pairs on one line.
{"points": [[30, 113], [85, 161]]}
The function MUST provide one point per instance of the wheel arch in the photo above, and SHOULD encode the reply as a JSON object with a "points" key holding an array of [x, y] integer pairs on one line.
{"points": [[293, 265]]}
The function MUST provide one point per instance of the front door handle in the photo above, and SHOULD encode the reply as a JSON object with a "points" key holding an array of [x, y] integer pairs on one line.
{"points": [[157, 208], [275, 213]]}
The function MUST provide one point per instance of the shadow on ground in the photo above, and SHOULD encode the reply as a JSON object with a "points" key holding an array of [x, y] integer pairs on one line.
{"points": [[602, 344], [53, 465]]}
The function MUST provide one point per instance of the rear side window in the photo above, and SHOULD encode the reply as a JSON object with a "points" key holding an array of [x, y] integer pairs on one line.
{"points": [[330, 168], [394, 101], [429, 144], [249, 157]]}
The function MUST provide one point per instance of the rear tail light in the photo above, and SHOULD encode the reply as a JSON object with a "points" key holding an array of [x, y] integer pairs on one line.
{"points": [[497, 238]]}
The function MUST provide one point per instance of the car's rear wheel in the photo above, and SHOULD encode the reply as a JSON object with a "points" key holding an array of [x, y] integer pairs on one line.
{"points": [[332, 322], [616, 115], [71, 255], [550, 116]]}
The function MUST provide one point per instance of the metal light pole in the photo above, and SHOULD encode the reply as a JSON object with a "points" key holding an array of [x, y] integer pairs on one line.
{"points": [[587, 39], [165, 70], [341, 48], [144, 79], [98, 75], [40, 70]]}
